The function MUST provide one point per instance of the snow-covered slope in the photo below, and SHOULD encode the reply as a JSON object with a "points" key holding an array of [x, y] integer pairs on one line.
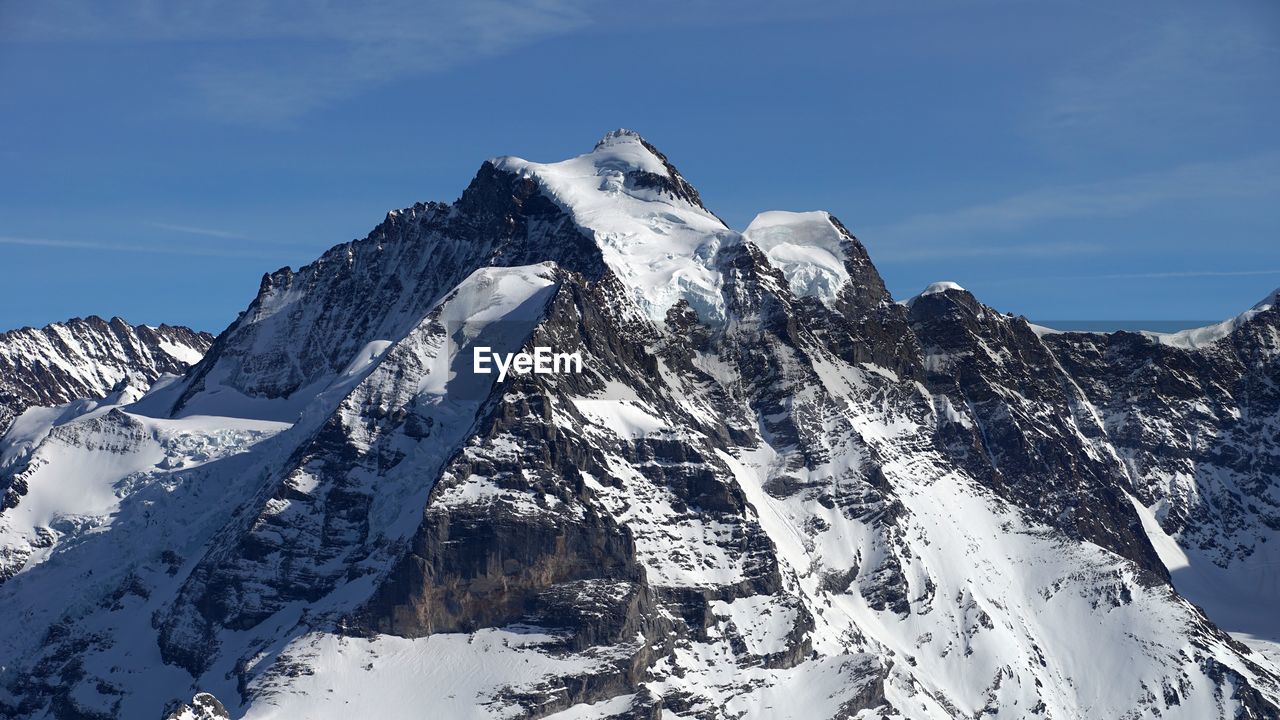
{"points": [[1197, 427], [87, 358], [1194, 338], [772, 491]]}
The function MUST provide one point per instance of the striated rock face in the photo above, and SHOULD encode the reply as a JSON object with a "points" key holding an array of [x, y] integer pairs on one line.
{"points": [[87, 358], [1198, 428], [1008, 413], [771, 492], [526, 543], [303, 327]]}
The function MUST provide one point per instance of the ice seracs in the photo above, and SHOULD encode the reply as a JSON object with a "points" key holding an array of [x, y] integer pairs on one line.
{"points": [[807, 247]]}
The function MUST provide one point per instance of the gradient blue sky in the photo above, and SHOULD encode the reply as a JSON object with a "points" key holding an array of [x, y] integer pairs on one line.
{"points": [[1062, 160]]}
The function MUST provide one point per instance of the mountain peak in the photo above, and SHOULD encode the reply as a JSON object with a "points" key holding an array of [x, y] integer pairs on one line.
{"points": [[942, 286], [621, 135], [650, 224], [936, 288], [86, 358], [1269, 301], [1204, 336], [619, 152]]}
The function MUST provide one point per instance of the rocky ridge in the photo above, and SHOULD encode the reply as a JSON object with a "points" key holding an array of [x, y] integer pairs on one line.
{"points": [[88, 358]]}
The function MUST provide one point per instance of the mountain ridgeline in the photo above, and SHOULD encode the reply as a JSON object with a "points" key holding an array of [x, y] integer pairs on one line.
{"points": [[88, 358], [773, 491]]}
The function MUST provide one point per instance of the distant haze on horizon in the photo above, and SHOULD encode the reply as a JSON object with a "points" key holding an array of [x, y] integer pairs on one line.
{"points": [[1105, 163]]}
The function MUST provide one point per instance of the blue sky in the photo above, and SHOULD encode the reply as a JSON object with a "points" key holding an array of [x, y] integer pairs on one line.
{"points": [[1096, 161]]}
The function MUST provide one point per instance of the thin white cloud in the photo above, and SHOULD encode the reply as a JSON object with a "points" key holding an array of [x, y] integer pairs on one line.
{"points": [[192, 230], [271, 62], [131, 248], [1193, 73], [883, 254], [1175, 274], [1169, 275], [944, 234], [251, 20]]}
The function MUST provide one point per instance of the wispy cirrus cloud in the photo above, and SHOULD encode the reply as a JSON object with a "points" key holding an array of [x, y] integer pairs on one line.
{"points": [[192, 230], [134, 248], [908, 253], [949, 233], [272, 61], [1157, 275], [1193, 73], [1176, 274]]}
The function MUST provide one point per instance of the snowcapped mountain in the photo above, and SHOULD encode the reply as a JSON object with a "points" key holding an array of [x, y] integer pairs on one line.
{"points": [[772, 492], [87, 358]]}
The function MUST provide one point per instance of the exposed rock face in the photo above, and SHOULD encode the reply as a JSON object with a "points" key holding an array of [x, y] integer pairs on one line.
{"points": [[203, 707], [771, 492], [309, 324], [519, 552], [87, 358], [1017, 423], [1197, 428]]}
